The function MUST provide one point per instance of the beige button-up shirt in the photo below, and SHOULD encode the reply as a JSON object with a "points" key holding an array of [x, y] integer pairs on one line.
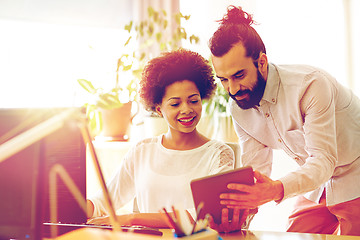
{"points": [[316, 121]]}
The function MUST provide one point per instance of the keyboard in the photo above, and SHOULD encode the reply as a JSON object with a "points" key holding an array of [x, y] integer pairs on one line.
{"points": [[67, 227]]}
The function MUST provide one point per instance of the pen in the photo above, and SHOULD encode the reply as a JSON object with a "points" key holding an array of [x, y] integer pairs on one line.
{"points": [[198, 210], [174, 210], [174, 224]]}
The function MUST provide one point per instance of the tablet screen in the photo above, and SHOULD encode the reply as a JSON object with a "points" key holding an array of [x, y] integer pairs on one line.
{"points": [[208, 189]]}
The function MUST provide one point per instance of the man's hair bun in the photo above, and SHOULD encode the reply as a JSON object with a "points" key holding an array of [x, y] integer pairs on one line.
{"points": [[235, 15]]}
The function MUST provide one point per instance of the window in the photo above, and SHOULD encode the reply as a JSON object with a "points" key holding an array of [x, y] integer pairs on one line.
{"points": [[46, 46]]}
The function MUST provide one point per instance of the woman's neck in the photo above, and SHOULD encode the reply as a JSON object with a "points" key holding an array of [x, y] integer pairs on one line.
{"points": [[183, 141]]}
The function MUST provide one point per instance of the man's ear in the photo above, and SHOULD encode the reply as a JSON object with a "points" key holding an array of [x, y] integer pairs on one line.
{"points": [[158, 110], [263, 65]]}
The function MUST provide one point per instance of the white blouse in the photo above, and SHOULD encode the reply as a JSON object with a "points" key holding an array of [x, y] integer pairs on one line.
{"points": [[159, 177]]}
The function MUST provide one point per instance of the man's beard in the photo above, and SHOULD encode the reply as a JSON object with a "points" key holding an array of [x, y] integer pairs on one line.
{"points": [[254, 96]]}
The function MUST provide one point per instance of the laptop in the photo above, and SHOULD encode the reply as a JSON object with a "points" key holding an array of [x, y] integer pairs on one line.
{"points": [[24, 184], [33, 206]]}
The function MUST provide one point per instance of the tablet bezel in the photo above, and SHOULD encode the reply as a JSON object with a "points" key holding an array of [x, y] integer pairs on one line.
{"points": [[208, 189]]}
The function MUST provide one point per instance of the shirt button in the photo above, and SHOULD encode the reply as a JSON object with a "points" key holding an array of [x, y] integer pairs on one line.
{"points": [[267, 115], [273, 100], [297, 158], [279, 140]]}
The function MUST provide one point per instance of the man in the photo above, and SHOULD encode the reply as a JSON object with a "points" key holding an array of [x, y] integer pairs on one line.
{"points": [[300, 109]]}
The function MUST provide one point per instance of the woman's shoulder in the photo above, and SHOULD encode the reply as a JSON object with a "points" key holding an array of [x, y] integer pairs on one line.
{"points": [[225, 153], [221, 145], [147, 141], [144, 145]]}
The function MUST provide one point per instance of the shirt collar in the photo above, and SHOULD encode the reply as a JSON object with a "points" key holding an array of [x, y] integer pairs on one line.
{"points": [[272, 86]]}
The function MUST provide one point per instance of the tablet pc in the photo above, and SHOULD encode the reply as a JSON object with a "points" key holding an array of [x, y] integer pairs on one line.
{"points": [[208, 189]]}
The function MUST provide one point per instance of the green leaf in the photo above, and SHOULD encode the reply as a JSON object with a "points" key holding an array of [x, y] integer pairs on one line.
{"points": [[178, 18], [108, 101], [156, 16], [87, 85], [158, 36], [163, 46], [194, 39], [127, 67], [128, 26], [142, 56], [150, 11], [165, 23], [150, 30], [127, 41], [186, 17], [164, 12]]}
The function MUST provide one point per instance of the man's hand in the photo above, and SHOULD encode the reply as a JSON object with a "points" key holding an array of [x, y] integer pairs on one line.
{"points": [[252, 196], [227, 226]]}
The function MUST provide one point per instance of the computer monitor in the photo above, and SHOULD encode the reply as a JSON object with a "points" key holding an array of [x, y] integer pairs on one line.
{"points": [[24, 176]]}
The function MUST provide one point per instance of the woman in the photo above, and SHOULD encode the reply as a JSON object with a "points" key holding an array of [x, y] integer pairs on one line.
{"points": [[157, 171]]}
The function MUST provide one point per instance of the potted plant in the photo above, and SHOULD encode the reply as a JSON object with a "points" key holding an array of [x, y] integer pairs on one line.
{"points": [[146, 39], [109, 112]]}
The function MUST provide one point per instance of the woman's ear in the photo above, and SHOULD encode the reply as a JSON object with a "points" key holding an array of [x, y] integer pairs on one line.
{"points": [[158, 110]]}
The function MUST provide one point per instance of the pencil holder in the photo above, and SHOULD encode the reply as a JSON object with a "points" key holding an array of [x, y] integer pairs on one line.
{"points": [[207, 233]]}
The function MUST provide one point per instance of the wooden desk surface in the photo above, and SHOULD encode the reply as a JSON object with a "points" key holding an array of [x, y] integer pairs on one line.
{"points": [[261, 235], [92, 234]]}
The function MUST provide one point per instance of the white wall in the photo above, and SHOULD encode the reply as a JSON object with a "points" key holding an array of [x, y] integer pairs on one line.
{"points": [[45, 46], [306, 31]]}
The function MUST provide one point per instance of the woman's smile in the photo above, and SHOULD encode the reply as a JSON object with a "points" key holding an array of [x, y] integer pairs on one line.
{"points": [[187, 121]]}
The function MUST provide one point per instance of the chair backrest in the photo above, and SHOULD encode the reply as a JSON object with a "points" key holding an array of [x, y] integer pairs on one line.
{"points": [[236, 148]]}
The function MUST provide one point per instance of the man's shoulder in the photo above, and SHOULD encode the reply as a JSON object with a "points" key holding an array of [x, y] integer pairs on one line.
{"points": [[296, 69]]}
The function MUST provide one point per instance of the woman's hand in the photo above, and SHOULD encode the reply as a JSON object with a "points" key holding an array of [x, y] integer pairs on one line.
{"points": [[105, 220], [142, 219], [227, 226]]}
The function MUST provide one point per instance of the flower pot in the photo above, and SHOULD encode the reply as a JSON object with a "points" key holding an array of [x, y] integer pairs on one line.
{"points": [[116, 123]]}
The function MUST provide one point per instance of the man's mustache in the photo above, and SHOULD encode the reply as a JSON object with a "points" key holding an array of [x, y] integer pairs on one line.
{"points": [[239, 93]]}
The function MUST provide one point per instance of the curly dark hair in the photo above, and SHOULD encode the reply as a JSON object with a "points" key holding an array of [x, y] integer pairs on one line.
{"points": [[236, 27], [172, 67]]}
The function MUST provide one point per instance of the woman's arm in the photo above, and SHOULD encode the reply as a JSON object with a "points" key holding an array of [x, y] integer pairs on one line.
{"points": [[155, 220], [90, 208]]}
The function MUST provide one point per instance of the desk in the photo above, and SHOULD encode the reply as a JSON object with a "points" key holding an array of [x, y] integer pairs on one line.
{"points": [[264, 235], [271, 217], [90, 234]]}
